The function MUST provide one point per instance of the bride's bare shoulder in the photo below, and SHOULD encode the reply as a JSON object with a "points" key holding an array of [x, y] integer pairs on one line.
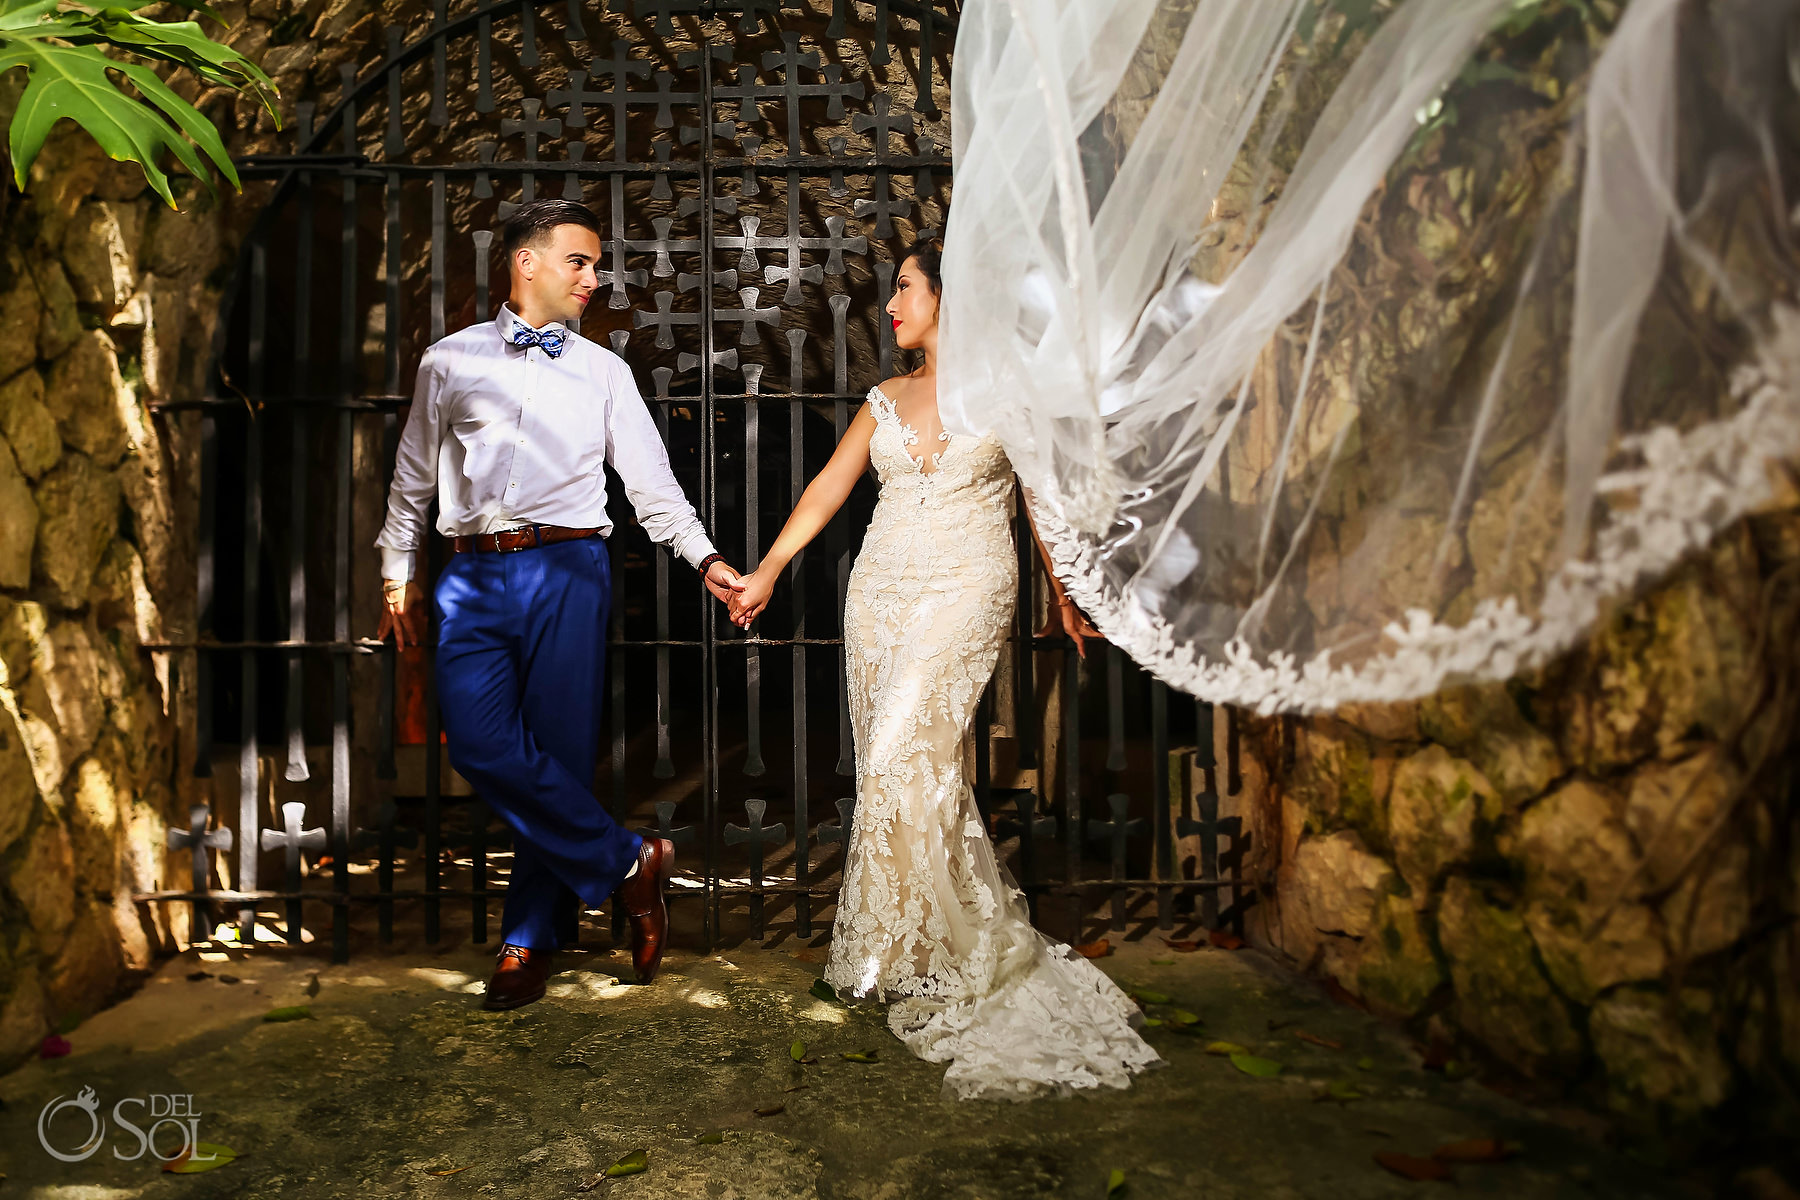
{"points": [[897, 387]]}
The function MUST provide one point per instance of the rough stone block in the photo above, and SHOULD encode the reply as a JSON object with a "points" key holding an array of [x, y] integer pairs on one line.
{"points": [[1339, 883], [1434, 806], [20, 313], [78, 506], [1660, 1053], [18, 523], [24, 1019], [85, 973], [1502, 997], [95, 411], [18, 785], [99, 252], [26, 422], [1399, 971], [60, 322], [44, 883]]}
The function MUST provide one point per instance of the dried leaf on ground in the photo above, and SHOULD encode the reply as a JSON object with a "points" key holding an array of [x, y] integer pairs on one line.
{"points": [[1182, 945], [201, 1156], [451, 1170], [1146, 996], [293, 1012], [771, 1110], [711, 1137], [635, 1163], [1411, 1166], [1262, 1068], [1099, 949], [1342, 1090], [1225, 941], [1153, 1022], [861, 1056], [1475, 1150], [1224, 1048], [798, 1087], [1316, 1040], [1182, 1016]]}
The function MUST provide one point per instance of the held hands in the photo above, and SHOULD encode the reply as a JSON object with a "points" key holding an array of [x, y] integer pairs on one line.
{"points": [[752, 598], [400, 612], [725, 584], [1067, 618]]}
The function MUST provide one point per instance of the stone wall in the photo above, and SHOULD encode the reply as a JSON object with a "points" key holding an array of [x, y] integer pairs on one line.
{"points": [[108, 301], [1588, 873]]}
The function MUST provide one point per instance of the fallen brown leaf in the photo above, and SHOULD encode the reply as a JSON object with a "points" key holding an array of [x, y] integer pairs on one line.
{"points": [[771, 1110], [1411, 1166], [1316, 1040], [798, 1087], [1099, 949], [1225, 941], [1474, 1150], [450, 1171], [1181, 946]]}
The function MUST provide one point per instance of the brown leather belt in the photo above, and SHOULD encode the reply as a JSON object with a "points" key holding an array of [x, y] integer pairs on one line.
{"points": [[528, 538]]}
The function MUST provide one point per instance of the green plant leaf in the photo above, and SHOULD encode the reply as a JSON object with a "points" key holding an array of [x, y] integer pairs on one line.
{"points": [[1146, 996], [797, 1051], [183, 43], [861, 1056], [1226, 1048], [24, 14], [204, 1156], [72, 82], [1342, 1090], [1365, 1063], [295, 1012], [824, 991], [1262, 1068], [635, 1163], [711, 1137], [1183, 1017], [1115, 1182]]}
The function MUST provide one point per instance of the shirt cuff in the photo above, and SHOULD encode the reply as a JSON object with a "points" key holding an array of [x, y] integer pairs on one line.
{"points": [[396, 565], [697, 549]]}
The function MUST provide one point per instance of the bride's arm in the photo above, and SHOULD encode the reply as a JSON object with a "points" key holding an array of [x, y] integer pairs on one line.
{"points": [[818, 504], [1072, 620]]}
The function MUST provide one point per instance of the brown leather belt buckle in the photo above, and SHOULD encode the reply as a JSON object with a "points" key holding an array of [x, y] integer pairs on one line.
{"points": [[519, 543]]}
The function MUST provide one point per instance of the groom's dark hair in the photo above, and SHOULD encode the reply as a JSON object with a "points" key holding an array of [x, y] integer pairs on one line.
{"points": [[532, 221]]}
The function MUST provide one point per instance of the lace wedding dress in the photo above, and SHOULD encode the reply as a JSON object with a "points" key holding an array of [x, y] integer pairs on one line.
{"points": [[928, 917]]}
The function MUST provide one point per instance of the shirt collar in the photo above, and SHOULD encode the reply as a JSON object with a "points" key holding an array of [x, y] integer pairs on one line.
{"points": [[508, 320]]}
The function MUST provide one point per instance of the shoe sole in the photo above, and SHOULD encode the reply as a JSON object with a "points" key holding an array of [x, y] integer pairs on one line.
{"points": [[501, 1006], [662, 902]]}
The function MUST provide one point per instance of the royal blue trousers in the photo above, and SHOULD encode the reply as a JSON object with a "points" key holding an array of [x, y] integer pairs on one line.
{"points": [[521, 669]]}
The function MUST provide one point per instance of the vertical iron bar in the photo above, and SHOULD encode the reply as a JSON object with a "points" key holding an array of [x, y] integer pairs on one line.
{"points": [[709, 483], [797, 652], [753, 758], [340, 628], [1071, 781], [1115, 708], [297, 769], [839, 533], [390, 441], [1163, 842], [249, 764]]}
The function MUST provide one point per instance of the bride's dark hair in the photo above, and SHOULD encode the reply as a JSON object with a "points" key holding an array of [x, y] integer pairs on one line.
{"points": [[929, 250]]}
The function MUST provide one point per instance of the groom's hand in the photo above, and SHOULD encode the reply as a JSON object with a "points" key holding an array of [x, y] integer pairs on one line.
{"points": [[723, 582], [400, 612]]}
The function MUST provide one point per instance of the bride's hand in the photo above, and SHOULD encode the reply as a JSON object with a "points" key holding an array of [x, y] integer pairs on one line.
{"points": [[1076, 625], [748, 604]]}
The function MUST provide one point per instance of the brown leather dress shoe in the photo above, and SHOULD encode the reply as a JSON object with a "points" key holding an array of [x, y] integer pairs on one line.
{"points": [[647, 905], [518, 976]]}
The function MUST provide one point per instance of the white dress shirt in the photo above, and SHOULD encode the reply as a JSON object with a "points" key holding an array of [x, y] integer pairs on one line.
{"points": [[508, 436]]}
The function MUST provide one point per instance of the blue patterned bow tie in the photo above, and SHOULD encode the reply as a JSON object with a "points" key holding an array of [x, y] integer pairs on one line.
{"points": [[551, 339]]}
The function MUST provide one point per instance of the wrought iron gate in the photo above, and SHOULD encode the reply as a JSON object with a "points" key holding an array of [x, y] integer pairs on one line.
{"points": [[756, 166]]}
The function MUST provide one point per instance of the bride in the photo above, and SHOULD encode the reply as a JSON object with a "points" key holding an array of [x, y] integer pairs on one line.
{"points": [[928, 917]]}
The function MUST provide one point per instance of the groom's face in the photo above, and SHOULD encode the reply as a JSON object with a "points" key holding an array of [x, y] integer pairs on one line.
{"points": [[556, 275]]}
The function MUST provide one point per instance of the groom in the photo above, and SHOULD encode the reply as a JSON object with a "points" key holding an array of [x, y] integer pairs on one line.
{"points": [[512, 423]]}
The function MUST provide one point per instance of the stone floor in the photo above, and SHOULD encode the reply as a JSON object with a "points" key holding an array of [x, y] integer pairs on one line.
{"points": [[400, 1085]]}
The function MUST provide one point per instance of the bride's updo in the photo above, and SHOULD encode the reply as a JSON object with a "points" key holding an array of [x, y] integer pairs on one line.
{"points": [[929, 251]]}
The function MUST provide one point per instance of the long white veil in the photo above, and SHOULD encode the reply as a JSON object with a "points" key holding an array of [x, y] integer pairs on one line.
{"points": [[1350, 348]]}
